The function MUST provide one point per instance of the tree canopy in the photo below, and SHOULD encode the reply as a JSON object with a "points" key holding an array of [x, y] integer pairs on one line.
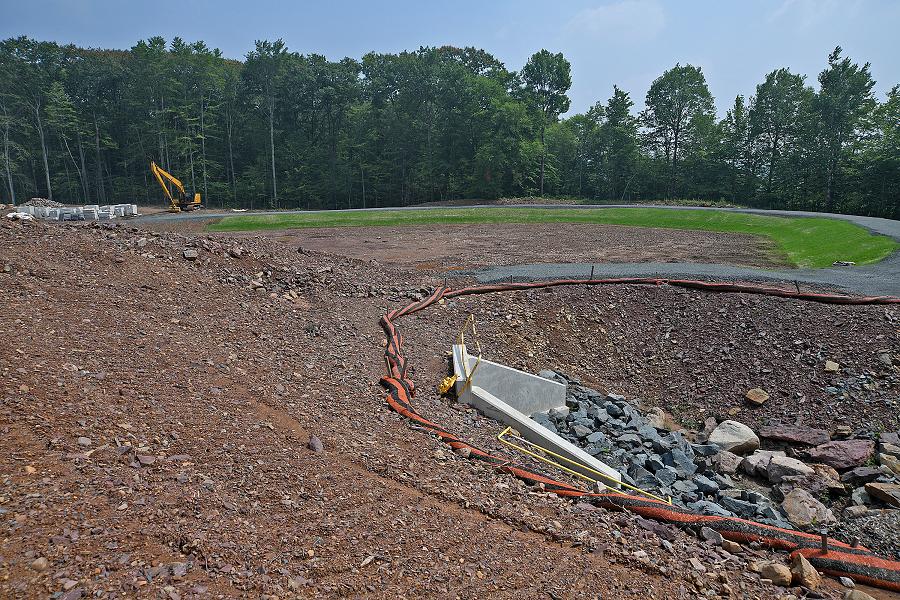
{"points": [[281, 129]]}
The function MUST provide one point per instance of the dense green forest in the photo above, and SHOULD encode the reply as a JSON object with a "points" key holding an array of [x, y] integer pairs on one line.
{"points": [[286, 130]]}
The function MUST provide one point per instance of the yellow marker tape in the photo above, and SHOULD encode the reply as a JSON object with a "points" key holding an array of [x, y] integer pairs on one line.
{"points": [[567, 470]]}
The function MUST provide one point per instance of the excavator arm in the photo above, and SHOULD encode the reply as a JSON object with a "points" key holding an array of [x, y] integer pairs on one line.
{"points": [[178, 201]]}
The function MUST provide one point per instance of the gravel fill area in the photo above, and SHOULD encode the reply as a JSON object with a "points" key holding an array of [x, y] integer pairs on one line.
{"points": [[159, 391]]}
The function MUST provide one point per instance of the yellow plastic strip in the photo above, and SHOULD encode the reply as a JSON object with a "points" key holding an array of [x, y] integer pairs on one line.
{"points": [[567, 470]]}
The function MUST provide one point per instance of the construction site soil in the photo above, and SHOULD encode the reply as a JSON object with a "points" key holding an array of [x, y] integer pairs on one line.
{"points": [[159, 391]]}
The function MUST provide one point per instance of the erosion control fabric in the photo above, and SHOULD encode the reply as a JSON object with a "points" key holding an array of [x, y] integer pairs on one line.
{"points": [[840, 560]]}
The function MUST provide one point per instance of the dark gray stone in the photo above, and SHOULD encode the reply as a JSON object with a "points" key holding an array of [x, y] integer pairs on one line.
{"points": [[705, 485], [596, 438], [613, 410], [861, 475], [632, 440], [683, 486], [705, 449], [682, 463], [709, 508], [648, 433], [581, 432], [745, 510], [654, 463], [667, 475]]}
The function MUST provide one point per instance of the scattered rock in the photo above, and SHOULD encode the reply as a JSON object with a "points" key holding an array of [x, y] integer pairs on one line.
{"points": [[758, 462], [711, 535], [803, 573], [734, 437], [84, 441], [889, 493], [315, 444], [782, 466], [726, 462], [843, 454], [190, 254], [804, 511], [892, 463], [831, 366], [860, 475], [756, 396], [777, 573], [41, 565], [795, 435], [856, 595]]}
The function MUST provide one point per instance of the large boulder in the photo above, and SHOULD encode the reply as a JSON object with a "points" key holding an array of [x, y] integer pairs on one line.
{"points": [[843, 454], [804, 511], [734, 437]]}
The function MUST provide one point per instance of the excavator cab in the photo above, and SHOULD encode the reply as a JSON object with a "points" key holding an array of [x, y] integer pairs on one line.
{"points": [[178, 202]]}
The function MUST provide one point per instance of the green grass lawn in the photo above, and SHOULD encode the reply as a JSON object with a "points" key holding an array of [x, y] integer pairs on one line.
{"points": [[806, 243]]}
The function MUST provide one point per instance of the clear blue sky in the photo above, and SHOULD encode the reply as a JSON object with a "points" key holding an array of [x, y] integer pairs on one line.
{"points": [[628, 42]]}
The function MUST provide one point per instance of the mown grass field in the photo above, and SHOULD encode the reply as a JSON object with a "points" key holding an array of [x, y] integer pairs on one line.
{"points": [[806, 243]]}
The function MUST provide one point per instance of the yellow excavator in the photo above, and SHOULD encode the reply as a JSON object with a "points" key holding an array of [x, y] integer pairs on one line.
{"points": [[179, 203]]}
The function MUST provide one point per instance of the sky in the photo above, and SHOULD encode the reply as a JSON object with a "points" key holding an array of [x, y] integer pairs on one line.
{"points": [[628, 43]]}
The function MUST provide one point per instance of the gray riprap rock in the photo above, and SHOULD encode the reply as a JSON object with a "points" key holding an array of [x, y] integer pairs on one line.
{"points": [[648, 433], [734, 437], [667, 475], [631, 440], [580, 431], [705, 485], [723, 481], [597, 438], [743, 509], [705, 449], [683, 486], [843, 454], [654, 463], [613, 410], [190, 254], [804, 511], [681, 461], [644, 478], [704, 507]]}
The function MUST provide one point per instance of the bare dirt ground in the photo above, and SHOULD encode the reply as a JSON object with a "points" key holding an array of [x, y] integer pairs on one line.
{"points": [[156, 410], [475, 246]]}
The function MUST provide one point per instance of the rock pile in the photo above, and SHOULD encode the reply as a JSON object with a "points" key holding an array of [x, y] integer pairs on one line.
{"points": [[709, 476]]}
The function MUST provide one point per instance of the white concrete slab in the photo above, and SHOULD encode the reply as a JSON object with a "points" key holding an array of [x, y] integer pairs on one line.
{"points": [[523, 391], [511, 396]]}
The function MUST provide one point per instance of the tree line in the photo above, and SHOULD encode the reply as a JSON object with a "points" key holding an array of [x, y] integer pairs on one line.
{"points": [[286, 130]]}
